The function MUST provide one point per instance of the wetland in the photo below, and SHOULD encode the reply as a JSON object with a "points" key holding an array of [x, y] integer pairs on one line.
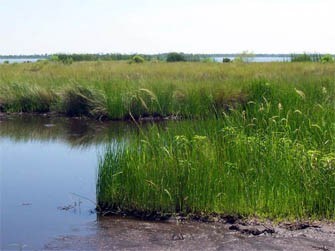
{"points": [[82, 157]]}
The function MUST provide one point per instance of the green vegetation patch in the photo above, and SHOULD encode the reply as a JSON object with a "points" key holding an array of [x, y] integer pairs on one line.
{"points": [[273, 157], [118, 90]]}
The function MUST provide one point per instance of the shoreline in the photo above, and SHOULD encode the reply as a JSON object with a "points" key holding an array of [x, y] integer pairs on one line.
{"points": [[6, 115], [249, 225], [145, 235]]}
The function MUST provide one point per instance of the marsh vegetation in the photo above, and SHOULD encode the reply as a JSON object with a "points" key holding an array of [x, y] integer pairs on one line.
{"points": [[273, 157], [254, 139]]}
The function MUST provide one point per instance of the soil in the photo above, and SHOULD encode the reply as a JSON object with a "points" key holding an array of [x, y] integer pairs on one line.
{"points": [[124, 233]]}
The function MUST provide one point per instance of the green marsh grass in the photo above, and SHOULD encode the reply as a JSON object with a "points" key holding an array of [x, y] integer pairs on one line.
{"points": [[117, 89], [272, 157]]}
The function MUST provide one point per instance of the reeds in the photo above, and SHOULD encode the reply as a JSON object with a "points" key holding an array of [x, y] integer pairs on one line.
{"points": [[24, 98], [273, 156], [117, 90]]}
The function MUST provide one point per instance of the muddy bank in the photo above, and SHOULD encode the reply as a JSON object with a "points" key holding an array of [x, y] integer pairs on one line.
{"points": [[157, 118], [119, 233]]}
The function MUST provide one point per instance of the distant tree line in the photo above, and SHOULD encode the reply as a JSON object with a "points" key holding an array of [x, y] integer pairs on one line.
{"points": [[170, 57], [93, 57]]}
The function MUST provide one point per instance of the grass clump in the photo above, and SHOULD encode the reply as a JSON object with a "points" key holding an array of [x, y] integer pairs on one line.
{"points": [[226, 171], [81, 101], [23, 98], [272, 157]]}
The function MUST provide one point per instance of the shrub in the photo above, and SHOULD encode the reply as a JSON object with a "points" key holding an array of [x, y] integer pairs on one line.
{"points": [[327, 59], [137, 59], [226, 60], [175, 57], [54, 58]]}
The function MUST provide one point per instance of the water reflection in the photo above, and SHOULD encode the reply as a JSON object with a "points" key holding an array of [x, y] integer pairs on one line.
{"points": [[74, 132], [45, 163]]}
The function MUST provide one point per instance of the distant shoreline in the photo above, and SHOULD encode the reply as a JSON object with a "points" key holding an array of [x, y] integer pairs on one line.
{"points": [[45, 56]]}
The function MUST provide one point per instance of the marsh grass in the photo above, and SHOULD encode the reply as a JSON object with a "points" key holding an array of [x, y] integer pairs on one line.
{"points": [[273, 156], [24, 98], [208, 169], [114, 90], [81, 101]]}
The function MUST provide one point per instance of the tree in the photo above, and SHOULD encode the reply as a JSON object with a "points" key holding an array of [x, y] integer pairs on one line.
{"points": [[175, 57], [226, 60]]}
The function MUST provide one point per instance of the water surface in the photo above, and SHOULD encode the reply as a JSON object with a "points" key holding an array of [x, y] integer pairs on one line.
{"points": [[19, 60], [48, 169]]}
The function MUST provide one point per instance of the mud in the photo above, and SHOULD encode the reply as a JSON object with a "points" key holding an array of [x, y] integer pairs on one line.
{"points": [[118, 233]]}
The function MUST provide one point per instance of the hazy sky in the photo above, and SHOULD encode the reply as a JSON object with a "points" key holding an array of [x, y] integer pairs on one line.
{"points": [[152, 26]]}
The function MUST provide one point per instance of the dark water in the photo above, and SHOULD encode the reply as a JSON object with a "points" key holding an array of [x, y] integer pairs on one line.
{"points": [[45, 163]]}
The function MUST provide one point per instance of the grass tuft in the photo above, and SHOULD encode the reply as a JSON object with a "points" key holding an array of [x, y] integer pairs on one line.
{"points": [[82, 101]]}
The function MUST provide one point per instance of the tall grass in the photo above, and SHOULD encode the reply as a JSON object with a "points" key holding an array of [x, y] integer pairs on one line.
{"points": [[117, 90], [273, 157], [24, 98]]}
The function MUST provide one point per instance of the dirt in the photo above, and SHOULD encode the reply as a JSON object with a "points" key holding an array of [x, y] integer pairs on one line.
{"points": [[124, 233]]}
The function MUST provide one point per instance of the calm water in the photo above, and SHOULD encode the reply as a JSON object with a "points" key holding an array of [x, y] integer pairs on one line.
{"points": [[19, 60], [36, 179], [43, 162]]}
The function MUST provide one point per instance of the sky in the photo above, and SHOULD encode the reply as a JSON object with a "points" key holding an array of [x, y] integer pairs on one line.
{"points": [[156, 26]]}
